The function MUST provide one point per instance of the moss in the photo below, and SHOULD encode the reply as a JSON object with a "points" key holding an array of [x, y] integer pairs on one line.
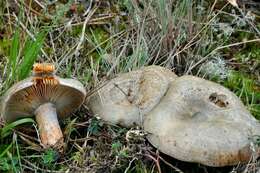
{"points": [[245, 88]]}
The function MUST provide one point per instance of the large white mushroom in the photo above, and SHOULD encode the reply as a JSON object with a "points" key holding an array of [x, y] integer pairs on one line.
{"points": [[201, 121], [45, 96], [127, 98]]}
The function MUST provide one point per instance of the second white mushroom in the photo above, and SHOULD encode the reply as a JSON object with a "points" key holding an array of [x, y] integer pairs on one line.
{"points": [[127, 98]]}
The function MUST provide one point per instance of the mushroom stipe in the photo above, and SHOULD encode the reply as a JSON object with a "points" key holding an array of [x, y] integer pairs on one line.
{"points": [[46, 96]]}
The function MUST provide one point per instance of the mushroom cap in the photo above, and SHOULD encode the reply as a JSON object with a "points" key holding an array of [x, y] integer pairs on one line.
{"points": [[23, 98], [201, 121], [125, 99]]}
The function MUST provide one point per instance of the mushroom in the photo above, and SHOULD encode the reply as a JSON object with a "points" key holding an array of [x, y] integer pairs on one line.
{"points": [[125, 99], [47, 97], [201, 121]]}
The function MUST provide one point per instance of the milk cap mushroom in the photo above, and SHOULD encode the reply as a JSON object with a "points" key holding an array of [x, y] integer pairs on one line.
{"points": [[201, 121], [125, 99], [45, 96]]}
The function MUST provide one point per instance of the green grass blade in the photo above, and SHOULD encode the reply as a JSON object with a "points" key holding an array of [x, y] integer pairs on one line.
{"points": [[6, 150], [14, 52], [18, 153], [5, 131], [31, 50]]}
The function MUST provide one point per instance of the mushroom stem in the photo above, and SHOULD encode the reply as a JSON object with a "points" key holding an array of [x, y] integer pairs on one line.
{"points": [[49, 128]]}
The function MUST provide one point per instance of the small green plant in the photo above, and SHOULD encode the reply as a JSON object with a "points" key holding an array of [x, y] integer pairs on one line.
{"points": [[119, 150], [49, 157], [116, 146], [95, 126]]}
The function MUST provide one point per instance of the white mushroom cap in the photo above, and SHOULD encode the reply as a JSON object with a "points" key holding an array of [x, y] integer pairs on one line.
{"points": [[23, 98], [201, 121], [125, 99]]}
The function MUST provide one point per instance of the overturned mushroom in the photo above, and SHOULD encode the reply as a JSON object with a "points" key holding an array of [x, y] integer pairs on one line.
{"points": [[125, 99], [201, 121], [46, 96]]}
